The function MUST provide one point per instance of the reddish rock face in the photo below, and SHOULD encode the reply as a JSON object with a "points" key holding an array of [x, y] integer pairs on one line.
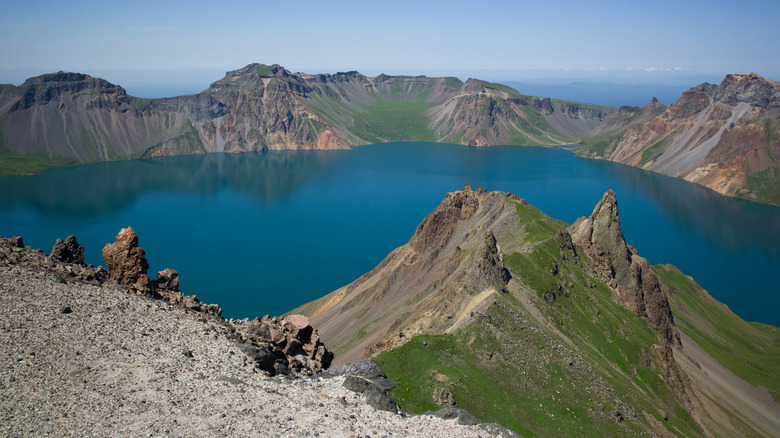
{"points": [[126, 261]]}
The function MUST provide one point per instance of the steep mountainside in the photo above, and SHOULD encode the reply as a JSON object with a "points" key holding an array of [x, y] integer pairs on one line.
{"points": [[70, 118], [551, 330], [725, 137]]}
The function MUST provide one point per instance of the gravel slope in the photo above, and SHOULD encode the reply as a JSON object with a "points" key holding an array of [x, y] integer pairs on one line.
{"points": [[121, 364]]}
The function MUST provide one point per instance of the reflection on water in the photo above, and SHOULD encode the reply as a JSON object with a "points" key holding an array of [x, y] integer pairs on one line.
{"points": [[102, 188], [264, 232], [732, 223]]}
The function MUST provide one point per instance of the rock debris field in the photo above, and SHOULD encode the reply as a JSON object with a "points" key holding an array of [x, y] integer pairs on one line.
{"points": [[82, 359]]}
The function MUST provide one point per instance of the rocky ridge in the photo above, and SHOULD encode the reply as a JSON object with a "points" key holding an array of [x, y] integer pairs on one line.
{"points": [[85, 356], [725, 137], [491, 284], [72, 118]]}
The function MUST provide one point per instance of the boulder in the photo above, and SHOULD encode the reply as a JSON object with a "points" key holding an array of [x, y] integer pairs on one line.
{"points": [[168, 279], [16, 242], [68, 250]]}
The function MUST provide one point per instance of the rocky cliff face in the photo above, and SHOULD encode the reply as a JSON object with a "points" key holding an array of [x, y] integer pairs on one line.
{"points": [[725, 137], [71, 118]]}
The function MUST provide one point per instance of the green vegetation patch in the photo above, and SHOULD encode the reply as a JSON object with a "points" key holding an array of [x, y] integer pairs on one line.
{"points": [[264, 70], [655, 150], [140, 102], [749, 349], [17, 163], [7, 86], [537, 225], [598, 147], [453, 82], [763, 186], [393, 120]]}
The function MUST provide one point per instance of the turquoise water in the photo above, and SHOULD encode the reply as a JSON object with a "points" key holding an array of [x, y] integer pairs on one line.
{"points": [[261, 233]]}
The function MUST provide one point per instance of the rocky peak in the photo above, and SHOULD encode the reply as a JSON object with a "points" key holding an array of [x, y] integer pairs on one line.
{"points": [[43, 89], [436, 229], [472, 86], [250, 75], [690, 103], [750, 88], [621, 268]]}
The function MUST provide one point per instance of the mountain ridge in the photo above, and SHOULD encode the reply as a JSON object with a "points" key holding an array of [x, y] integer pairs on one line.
{"points": [[71, 118], [725, 137], [498, 309]]}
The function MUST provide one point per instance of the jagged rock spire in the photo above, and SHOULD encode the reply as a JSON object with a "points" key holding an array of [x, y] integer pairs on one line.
{"points": [[621, 267]]}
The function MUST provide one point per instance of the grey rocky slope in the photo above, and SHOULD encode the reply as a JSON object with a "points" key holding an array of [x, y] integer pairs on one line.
{"points": [[82, 356]]}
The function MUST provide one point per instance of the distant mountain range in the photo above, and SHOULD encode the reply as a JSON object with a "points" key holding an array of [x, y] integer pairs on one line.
{"points": [[65, 119]]}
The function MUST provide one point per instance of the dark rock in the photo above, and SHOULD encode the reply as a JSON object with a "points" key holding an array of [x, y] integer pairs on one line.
{"points": [[449, 413], [291, 346], [68, 251], [187, 353], [295, 344], [262, 356], [16, 242], [374, 395], [65, 309]]}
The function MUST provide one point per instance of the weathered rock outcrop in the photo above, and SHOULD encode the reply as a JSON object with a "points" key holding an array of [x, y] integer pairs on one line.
{"points": [[126, 261], [629, 275], [284, 346], [289, 346], [488, 269], [622, 268], [68, 250]]}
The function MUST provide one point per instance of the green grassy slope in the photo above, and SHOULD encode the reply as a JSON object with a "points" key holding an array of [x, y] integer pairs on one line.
{"points": [[750, 350]]}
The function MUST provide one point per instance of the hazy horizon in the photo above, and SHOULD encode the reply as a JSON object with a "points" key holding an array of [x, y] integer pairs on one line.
{"points": [[153, 44], [598, 88]]}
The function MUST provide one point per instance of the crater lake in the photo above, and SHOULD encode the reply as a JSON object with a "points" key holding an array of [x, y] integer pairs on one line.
{"points": [[261, 233]]}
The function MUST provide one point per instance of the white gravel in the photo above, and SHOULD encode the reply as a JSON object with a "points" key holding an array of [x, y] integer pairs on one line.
{"points": [[119, 365]]}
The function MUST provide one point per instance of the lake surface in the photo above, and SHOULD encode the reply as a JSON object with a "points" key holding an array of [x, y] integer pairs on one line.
{"points": [[261, 233]]}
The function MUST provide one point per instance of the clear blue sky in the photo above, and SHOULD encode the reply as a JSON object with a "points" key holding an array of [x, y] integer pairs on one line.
{"points": [[148, 41]]}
